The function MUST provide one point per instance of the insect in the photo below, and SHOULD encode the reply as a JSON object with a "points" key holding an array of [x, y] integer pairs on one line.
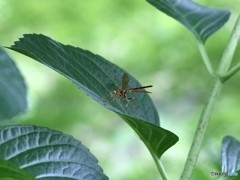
{"points": [[122, 92]]}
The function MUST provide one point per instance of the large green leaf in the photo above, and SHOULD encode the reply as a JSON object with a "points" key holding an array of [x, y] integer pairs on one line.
{"points": [[230, 154], [12, 88], [98, 77], [202, 21], [47, 154]]}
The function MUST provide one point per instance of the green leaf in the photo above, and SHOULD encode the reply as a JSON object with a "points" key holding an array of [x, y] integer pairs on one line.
{"points": [[202, 21], [12, 88], [230, 154], [157, 139], [9, 170], [97, 77], [93, 74], [47, 154]]}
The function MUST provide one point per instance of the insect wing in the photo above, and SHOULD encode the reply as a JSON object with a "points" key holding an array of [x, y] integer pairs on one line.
{"points": [[140, 89], [125, 80]]}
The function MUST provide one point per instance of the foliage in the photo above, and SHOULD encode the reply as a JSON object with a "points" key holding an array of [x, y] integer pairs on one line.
{"points": [[13, 90], [98, 78]]}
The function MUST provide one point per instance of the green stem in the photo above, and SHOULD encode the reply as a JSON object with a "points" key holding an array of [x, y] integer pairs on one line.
{"points": [[208, 108], [159, 165], [157, 161], [230, 73], [202, 126], [163, 172], [205, 58], [229, 51]]}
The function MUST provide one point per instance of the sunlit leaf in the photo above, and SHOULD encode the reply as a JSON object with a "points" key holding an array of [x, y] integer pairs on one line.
{"points": [[202, 21], [12, 88], [97, 77], [47, 154]]}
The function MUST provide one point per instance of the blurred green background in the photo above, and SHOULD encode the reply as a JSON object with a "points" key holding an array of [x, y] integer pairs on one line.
{"points": [[152, 47]]}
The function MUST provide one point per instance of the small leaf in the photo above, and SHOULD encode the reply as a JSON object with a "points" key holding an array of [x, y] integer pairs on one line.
{"points": [[9, 170], [47, 154], [12, 88], [202, 21], [230, 154], [97, 77], [157, 139]]}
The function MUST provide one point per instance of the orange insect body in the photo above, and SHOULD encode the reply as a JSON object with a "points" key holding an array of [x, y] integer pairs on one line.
{"points": [[122, 92]]}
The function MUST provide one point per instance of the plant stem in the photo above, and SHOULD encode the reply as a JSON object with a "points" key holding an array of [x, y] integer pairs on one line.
{"points": [[205, 58], [159, 165], [163, 172], [230, 73], [229, 51], [208, 108], [202, 126]]}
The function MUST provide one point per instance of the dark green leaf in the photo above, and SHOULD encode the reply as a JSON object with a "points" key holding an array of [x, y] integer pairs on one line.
{"points": [[12, 88], [47, 154], [97, 77], [155, 138], [230, 154], [202, 21], [9, 170]]}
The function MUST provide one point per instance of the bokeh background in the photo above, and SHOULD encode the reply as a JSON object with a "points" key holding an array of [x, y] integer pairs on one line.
{"points": [[152, 47]]}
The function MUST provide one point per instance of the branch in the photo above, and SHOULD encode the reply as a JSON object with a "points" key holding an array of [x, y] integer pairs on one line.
{"points": [[230, 73], [208, 108], [229, 51], [205, 58]]}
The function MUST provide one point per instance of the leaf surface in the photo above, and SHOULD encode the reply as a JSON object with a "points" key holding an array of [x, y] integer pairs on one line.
{"points": [[201, 20], [9, 170], [98, 78], [230, 154], [13, 92], [47, 154]]}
